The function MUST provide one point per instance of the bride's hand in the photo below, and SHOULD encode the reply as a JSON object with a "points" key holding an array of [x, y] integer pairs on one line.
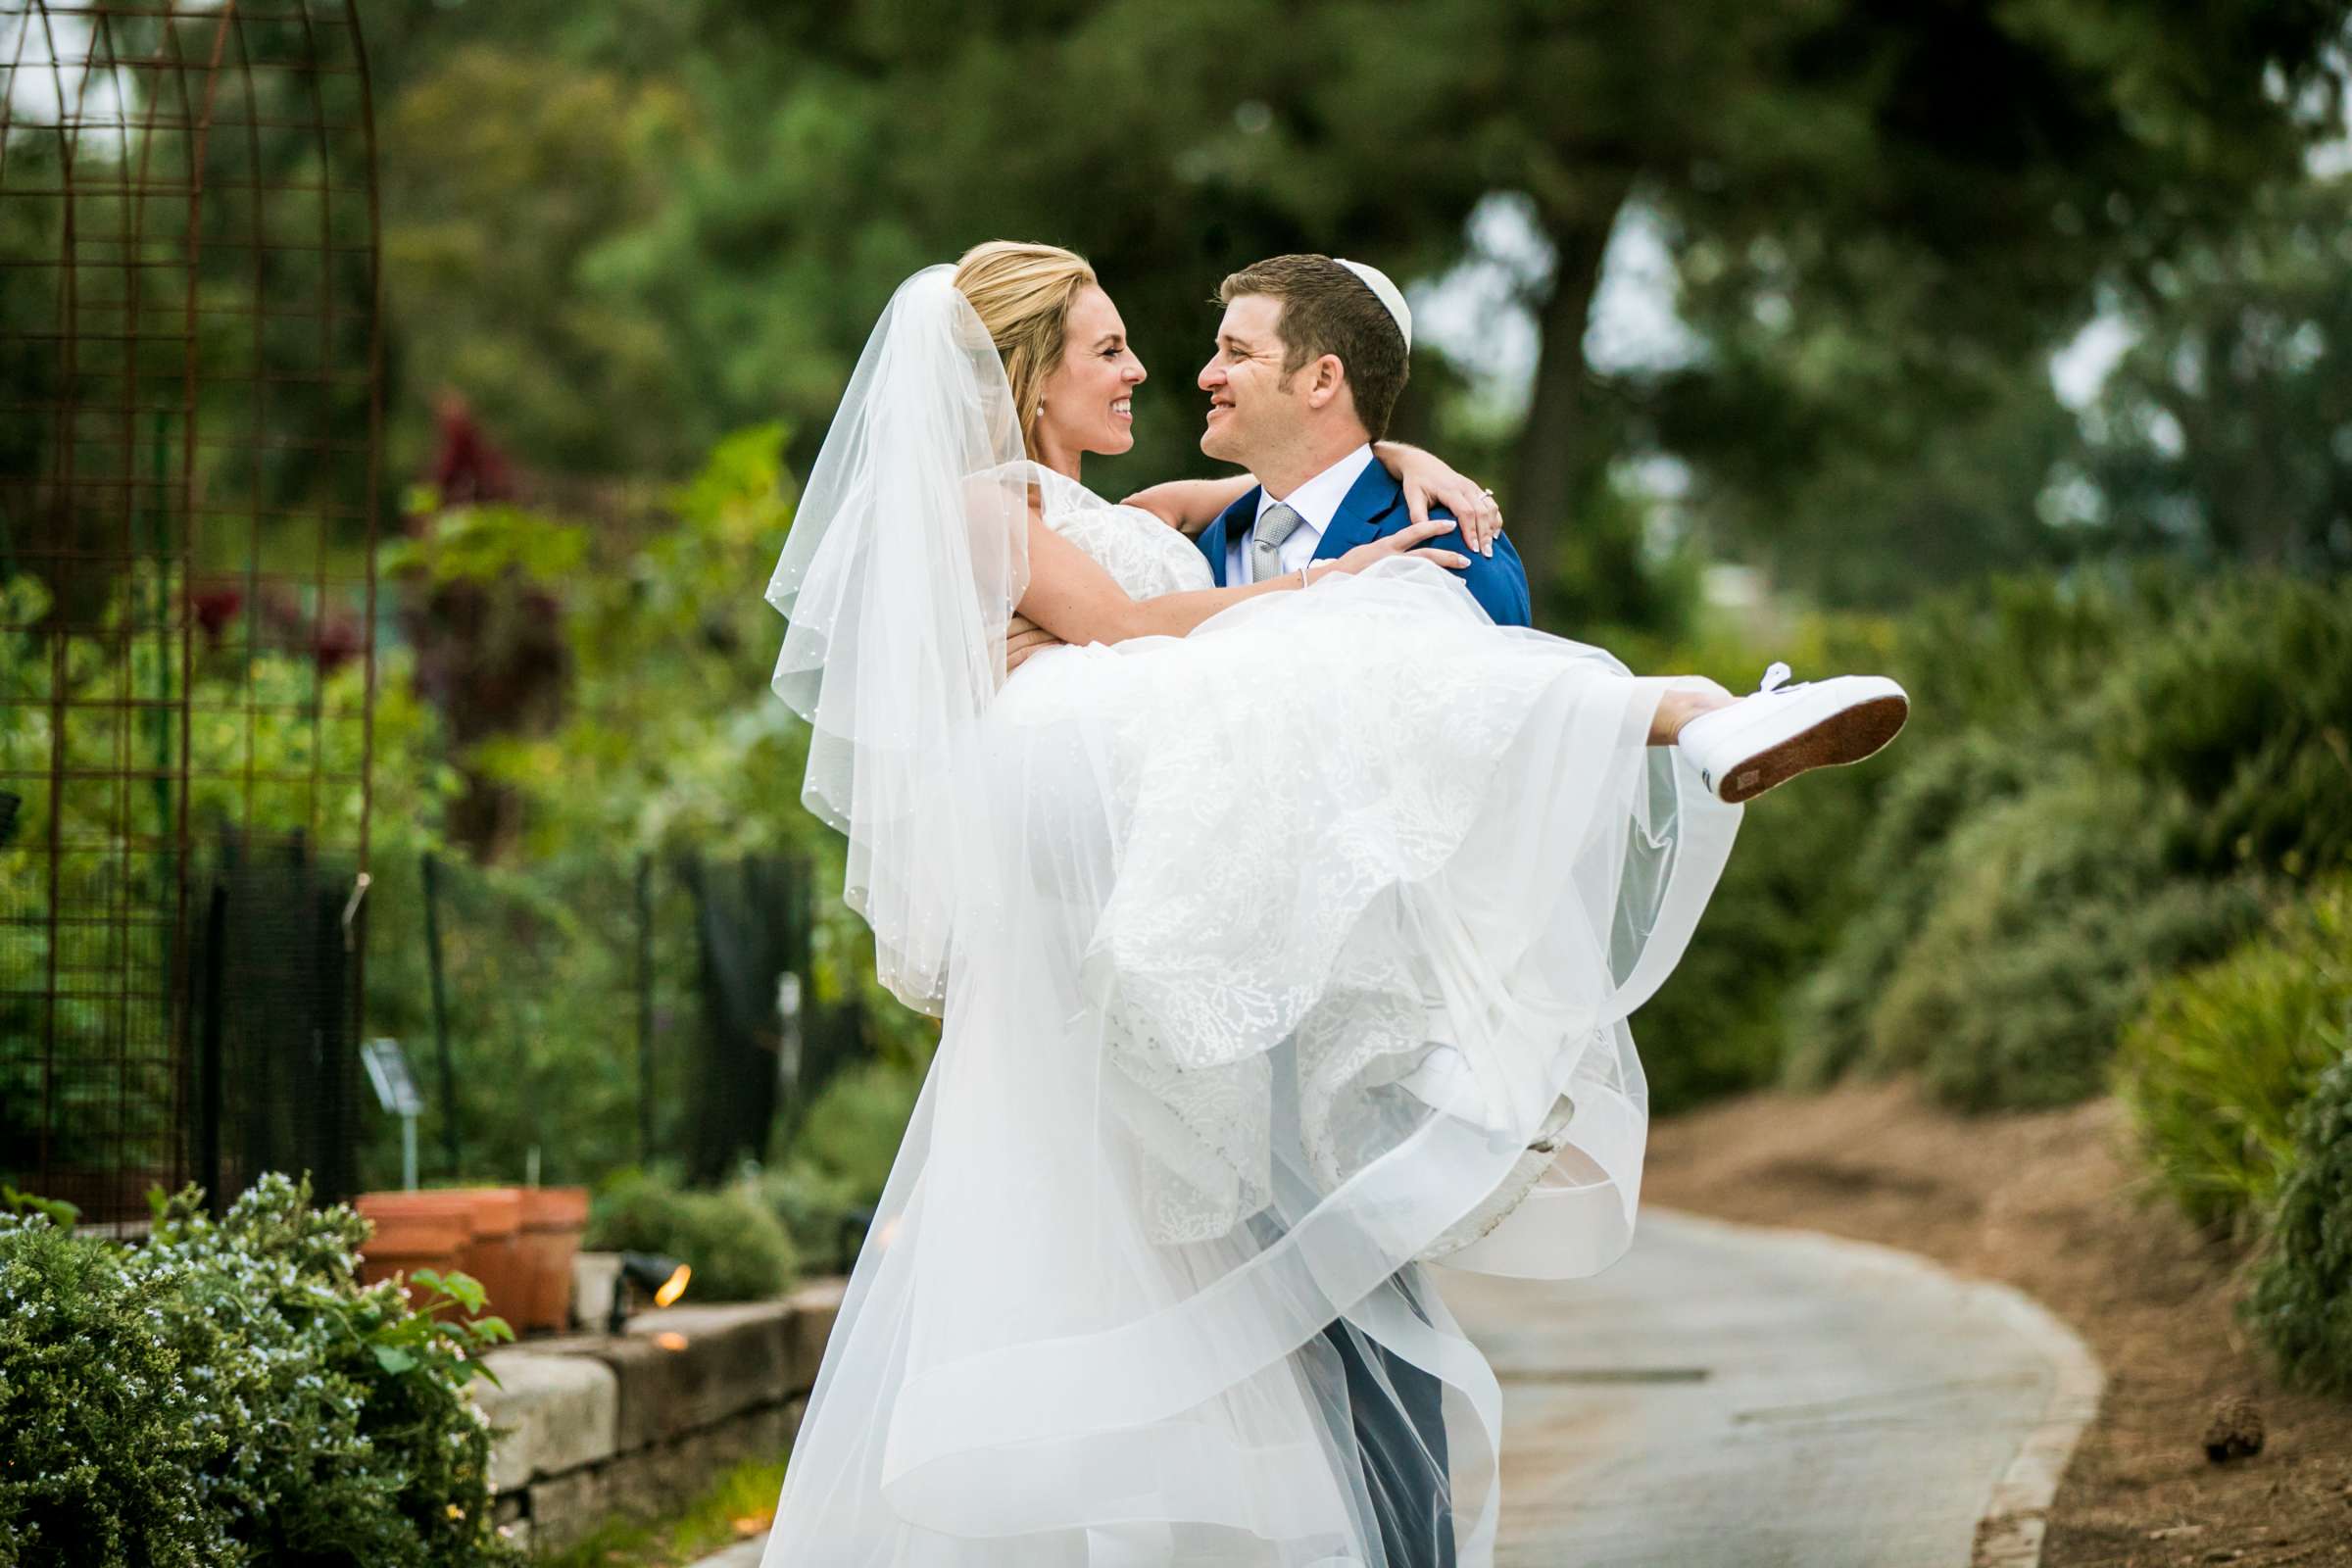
{"points": [[1405, 541], [1426, 478], [1023, 637]]}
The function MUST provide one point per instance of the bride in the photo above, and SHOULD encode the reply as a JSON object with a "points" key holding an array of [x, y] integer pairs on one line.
{"points": [[1284, 936]]}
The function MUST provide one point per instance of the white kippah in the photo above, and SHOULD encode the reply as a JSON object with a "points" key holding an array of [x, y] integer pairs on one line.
{"points": [[1386, 293]]}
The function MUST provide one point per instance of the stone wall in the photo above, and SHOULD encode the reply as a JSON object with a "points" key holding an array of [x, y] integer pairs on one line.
{"points": [[641, 1422]]}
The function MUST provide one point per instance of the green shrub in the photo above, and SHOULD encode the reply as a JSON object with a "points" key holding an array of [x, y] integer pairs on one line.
{"points": [[2213, 1068], [1715, 1027], [1897, 875], [352, 1438], [107, 1441], [2058, 910], [839, 1156], [2011, 912], [2302, 1301], [730, 1238], [810, 1204], [2017, 654], [854, 1124], [225, 1394], [2245, 703]]}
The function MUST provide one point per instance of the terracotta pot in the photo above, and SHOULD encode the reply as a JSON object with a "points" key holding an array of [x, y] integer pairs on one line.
{"points": [[496, 1255], [553, 1221], [403, 1244], [490, 1222]]}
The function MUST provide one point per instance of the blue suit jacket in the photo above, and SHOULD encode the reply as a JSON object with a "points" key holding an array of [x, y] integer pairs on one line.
{"points": [[1373, 508]]}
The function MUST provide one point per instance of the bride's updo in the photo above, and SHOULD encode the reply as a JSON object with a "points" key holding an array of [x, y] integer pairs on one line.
{"points": [[1023, 293]]}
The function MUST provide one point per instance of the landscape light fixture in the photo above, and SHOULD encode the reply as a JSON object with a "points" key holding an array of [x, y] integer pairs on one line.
{"points": [[664, 1277]]}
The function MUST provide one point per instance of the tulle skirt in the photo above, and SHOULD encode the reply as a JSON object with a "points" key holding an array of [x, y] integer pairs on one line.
{"points": [[1280, 945]]}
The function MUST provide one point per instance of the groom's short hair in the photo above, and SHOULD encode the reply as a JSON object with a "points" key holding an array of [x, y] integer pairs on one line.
{"points": [[1327, 309]]}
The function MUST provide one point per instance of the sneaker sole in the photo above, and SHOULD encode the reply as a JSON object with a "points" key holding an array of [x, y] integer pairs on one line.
{"points": [[1847, 736]]}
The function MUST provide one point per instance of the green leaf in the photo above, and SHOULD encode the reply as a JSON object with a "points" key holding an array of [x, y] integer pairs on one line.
{"points": [[61, 1213], [465, 1290]]}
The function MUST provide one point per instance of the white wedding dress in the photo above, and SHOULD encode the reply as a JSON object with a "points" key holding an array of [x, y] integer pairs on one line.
{"points": [[1263, 956]]}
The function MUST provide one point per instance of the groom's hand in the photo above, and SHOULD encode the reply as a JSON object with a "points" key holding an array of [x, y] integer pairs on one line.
{"points": [[1410, 540], [1023, 637]]}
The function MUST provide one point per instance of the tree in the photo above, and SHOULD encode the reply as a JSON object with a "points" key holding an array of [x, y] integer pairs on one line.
{"points": [[2225, 432], [514, 186], [1927, 192], [1881, 214]]}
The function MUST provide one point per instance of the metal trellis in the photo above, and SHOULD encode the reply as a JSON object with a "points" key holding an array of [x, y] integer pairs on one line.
{"points": [[190, 416]]}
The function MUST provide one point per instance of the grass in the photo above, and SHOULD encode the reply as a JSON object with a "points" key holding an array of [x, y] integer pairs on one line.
{"points": [[741, 1504]]}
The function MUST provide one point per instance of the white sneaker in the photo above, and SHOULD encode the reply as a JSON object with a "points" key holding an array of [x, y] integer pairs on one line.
{"points": [[1780, 730]]}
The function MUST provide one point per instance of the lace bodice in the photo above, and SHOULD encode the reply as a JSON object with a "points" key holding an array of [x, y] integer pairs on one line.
{"points": [[1147, 556]]}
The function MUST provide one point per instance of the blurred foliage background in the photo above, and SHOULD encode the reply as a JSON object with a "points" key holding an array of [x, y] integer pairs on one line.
{"points": [[2006, 348], [1780, 288]]}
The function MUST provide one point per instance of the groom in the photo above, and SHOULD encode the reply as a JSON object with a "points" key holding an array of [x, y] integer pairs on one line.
{"points": [[1310, 357]]}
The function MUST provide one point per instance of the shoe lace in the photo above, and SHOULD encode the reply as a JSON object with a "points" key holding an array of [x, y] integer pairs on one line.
{"points": [[1773, 676]]}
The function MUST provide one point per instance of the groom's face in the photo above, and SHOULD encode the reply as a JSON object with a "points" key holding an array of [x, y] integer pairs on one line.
{"points": [[1252, 404]]}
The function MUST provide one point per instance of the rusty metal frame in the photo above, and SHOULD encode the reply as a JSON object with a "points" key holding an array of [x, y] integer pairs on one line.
{"points": [[189, 430]]}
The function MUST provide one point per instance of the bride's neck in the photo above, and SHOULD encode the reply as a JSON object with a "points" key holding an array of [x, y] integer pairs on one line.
{"points": [[1062, 461]]}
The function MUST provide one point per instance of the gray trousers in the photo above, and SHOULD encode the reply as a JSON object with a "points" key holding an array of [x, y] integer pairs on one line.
{"points": [[1403, 1449]]}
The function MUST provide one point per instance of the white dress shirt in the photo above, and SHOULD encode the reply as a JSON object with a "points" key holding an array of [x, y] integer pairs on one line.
{"points": [[1316, 502]]}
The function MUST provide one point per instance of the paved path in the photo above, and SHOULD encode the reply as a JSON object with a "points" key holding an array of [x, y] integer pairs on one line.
{"points": [[1734, 1398], [1733, 1395]]}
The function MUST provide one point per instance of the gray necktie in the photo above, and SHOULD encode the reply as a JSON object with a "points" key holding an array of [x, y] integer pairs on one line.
{"points": [[1266, 549]]}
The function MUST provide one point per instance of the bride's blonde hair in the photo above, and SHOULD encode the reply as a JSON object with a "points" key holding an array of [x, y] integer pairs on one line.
{"points": [[1023, 294]]}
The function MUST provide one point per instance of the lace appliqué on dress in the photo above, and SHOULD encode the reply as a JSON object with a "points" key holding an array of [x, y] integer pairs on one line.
{"points": [[1255, 928]]}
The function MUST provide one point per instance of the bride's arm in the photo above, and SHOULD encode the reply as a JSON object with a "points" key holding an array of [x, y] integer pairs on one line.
{"points": [[1073, 597], [1189, 506], [1192, 504]]}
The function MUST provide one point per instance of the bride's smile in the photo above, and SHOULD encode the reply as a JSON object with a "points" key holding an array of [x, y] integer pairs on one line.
{"points": [[1086, 403]]}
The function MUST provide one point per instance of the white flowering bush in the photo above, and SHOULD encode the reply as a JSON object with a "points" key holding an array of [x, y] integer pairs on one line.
{"points": [[102, 1457], [228, 1394]]}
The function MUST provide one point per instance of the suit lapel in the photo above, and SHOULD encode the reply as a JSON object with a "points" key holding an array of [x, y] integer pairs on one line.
{"points": [[1217, 538], [1365, 516]]}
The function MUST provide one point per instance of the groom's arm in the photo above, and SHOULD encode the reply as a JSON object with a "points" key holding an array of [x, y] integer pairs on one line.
{"points": [[1499, 583]]}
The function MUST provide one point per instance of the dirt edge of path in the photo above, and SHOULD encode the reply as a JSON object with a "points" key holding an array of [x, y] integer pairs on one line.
{"points": [[2053, 1204]]}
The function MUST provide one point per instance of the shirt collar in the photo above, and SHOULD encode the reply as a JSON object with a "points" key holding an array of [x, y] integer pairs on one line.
{"points": [[1318, 501]]}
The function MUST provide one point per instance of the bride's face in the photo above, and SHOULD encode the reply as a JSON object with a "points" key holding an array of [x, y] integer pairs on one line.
{"points": [[1088, 399]]}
